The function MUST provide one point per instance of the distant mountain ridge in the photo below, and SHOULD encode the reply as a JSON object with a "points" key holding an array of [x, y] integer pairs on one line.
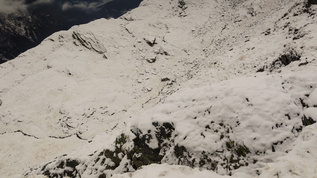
{"points": [[23, 30]]}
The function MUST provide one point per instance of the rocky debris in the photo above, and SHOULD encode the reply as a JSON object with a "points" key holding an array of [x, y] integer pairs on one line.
{"points": [[165, 79], [305, 63], [150, 40], [283, 60], [183, 7], [147, 89], [151, 59], [308, 120], [89, 41], [161, 51], [309, 3], [310, 108], [125, 157], [143, 152], [64, 168], [181, 4]]}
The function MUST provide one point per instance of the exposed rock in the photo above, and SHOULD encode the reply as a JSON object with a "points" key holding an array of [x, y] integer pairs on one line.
{"points": [[283, 60], [151, 59], [150, 40], [307, 120], [105, 162], [88, 40], [165, 79], [64, 168], [181, 3], [311, 2]]}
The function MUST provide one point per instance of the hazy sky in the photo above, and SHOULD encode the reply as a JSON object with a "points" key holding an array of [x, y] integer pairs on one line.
{"points": [[11, 6]]}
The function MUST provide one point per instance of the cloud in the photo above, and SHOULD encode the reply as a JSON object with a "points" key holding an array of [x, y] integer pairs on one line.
{"points": [[43, 2], [85, 6], [11, 6]]}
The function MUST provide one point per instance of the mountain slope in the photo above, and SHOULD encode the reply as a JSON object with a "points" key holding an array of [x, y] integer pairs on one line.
{"points": [[227, 86], [26, 28]]}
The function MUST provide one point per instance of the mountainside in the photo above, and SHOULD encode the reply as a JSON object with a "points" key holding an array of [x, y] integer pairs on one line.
{"points": [[24, 29], [173, 88]]}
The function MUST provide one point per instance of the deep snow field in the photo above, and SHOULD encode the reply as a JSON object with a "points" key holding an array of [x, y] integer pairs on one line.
{"points": [[173, 89]]}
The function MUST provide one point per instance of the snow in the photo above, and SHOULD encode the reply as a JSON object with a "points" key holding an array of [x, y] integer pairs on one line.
{"points": [[300, 161], [168, 171], [247, 105], [311, 113], [312, 100], [20, 152], [197, 67]]}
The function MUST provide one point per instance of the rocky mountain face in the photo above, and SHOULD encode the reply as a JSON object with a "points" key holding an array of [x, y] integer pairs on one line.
{"points": [[25, 29], [172, 88]]}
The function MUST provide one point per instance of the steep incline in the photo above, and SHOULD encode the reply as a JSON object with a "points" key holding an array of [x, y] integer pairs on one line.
{"points": [[226, 86], [28, 27]]}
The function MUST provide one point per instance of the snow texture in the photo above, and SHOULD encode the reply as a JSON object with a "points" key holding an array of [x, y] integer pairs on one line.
{"points": [[170, 89]]}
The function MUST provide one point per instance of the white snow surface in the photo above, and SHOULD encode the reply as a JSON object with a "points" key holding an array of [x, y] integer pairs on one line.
{"points": [[195, 66], [168, 171]]}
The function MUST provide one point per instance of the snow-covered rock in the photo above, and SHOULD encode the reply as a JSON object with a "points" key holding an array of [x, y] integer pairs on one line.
{"points": [[224, 86], [167, 171]]}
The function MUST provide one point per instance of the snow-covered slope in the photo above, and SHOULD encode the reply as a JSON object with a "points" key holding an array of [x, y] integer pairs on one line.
{"points": [[224, 86], [26, 23]]}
